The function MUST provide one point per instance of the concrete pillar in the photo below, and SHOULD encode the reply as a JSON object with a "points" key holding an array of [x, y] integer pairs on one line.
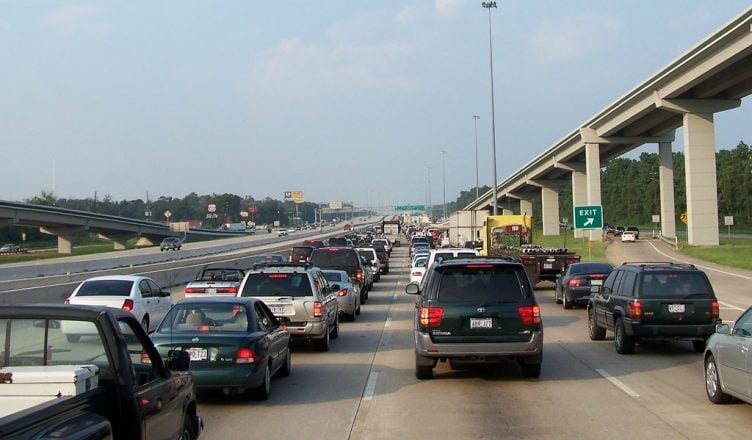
{"points": [[526, 207], [666, 182], [579, 195], [702, 191], [550, 210], [64, 237], [64, 244], [593, 174]]}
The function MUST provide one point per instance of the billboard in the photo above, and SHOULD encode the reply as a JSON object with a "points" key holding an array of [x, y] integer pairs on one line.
{"points": [[335, 205], [294, 196]]}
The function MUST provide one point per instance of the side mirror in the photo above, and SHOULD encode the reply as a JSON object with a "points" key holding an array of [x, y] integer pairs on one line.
{"points": [[165, 293], [178, 360], [412, 289], [722, 329]]}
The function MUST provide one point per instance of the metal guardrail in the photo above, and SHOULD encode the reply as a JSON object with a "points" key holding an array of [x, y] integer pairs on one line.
{"points": [[672, 241]]}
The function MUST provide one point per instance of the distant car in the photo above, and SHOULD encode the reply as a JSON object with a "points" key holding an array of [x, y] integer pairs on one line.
{"points": [[635, 230], [260, 260], [727, 365], [573, 286], [628, 236], [315, 243], [9, 248], [348, 294], [282, 232], [373, 259], [236, 344], [618, 230], [418, 269], [346, 259], [300, 254], [338, 242], [170, 244], [139, 295], [215, 280]]}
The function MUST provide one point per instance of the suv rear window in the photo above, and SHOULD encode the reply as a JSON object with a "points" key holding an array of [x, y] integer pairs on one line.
{"points": [[277, 284], [675, 285], [480, 284], [329, 258], [338, 241]]}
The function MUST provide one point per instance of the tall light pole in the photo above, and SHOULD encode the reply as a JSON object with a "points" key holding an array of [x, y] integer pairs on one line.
{"points": [[443, 181], [489, 5], [430, 208], [477, 181]]}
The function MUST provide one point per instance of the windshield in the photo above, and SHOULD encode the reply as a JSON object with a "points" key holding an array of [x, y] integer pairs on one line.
{"points": [[277, 284], [105, 288], [206, 317]]}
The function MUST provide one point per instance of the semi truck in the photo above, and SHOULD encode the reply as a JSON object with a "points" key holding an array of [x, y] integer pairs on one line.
{"points": [[391, 229], [465, 226], [512, 236]]}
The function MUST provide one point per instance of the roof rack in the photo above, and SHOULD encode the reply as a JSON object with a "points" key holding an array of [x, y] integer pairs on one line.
{"points": [[264, 264], [666, 264]]}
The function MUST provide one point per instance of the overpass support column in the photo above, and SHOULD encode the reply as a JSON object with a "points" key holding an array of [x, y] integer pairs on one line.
{"points": [[119, 241], [550, 210], [579, 195], [593, 174], [64, 237], [702, 191], [526, 207], [666, 182]]}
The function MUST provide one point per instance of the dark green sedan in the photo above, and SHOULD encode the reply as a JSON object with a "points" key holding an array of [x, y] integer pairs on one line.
{"points": [[236, 343]]}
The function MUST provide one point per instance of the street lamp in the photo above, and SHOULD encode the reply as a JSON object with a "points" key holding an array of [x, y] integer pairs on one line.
{"points": [[430, 208], [443, 181], [489, 5], [477, 182]]}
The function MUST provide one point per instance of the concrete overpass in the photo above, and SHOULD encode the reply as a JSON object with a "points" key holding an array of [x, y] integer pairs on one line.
{"points": [[64, 223], [711, 77]]}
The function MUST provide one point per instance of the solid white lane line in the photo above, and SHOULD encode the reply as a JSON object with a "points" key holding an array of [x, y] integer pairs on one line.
{"points": [[730, 306], [388, 321], [371, 385], [700, 266], [619, 384]]}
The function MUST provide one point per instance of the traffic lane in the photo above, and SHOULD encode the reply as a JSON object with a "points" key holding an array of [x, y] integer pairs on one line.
{"points": [[729, 284], [664, 377], [321, 397]]}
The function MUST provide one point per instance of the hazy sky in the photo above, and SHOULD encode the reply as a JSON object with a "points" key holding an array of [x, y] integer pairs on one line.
{"points": [[343, 100]]}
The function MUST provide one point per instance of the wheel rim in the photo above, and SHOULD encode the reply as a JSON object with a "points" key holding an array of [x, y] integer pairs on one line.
{"points": [[591, 322], [267, 380], [711, 379], [618, 336]]}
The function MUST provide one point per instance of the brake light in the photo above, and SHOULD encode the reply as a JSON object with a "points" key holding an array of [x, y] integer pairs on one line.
{"points": [[574, 259], [342, 292], [145, 359], [597, 276], [231, 289], [716, 309], [529, 315], [194, 290], [359, 275], [431, 316], [127, 305], [417, 273], [245, 356], [634, 310], [318, 309], [575, 282], [479, 266]]}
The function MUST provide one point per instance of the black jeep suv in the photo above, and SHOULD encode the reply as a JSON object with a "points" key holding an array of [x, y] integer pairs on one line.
{"points": [[477, 310], [653, 300]]}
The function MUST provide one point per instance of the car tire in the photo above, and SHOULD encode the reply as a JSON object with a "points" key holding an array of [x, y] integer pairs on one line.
{"points": [[285, 369], [557, 300], [188, 432], [335, 330], [530, 370], [698, 345], [357, 311], [145, 323], [623, 343], [422, 372], [73, 338], [713, 383], [263, 391], [323, 343], [596, 332], [565, 302]]}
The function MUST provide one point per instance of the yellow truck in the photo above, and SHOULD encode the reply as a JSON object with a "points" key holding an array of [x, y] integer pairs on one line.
{"points": [[512, 236]]}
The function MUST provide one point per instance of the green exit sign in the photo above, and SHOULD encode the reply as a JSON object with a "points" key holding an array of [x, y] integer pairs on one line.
{"points": [[588, 217], [410, 207]]}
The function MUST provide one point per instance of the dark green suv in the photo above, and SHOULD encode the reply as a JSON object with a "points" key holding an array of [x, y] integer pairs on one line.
{"points": [[653, 300], [477, 310]]}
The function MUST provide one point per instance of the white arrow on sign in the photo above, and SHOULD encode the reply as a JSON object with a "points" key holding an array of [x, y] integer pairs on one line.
{"points": [[589, 221]]}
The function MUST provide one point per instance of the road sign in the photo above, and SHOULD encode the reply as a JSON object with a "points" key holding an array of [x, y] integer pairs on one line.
{"points": [[588, 217], [168, 214], [410, 207], [212, 208]]}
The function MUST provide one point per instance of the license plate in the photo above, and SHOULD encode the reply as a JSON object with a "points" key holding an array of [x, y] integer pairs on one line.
{"points": [[198, 354], [211, 290], [676, 308], [277, 310], [596, 282], [481, 323], [548, 266]]}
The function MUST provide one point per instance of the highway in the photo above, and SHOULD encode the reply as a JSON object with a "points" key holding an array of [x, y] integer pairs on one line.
{"points": [[365, 388]]}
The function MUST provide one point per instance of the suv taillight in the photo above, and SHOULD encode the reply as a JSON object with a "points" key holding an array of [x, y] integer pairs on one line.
{"points": [[127, 305], [431, 316], [634, 310], [245, 356], [716, 309], [575, 282], [145, 359], [318, 309], [529, 315], [359, 274], [342, 292]]}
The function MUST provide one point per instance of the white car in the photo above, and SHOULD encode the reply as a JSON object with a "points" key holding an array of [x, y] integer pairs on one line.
{"points": [[448, 253], [418, 268], [282, 232], [139, 295], [628, 236]]}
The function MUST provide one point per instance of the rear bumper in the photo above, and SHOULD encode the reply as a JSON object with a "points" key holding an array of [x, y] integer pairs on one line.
{"points": [[238, 376], [578, 294], [313, 330], [688, 331], [424, 346]]}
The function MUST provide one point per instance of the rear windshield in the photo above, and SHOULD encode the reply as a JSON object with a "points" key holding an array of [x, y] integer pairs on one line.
{"points": [[335, 277], [368, 255], [221, 275], [675, 285], [106, 288], [331, 258], [206, 318], [338, 241], [591, 268], [269, 259], [277, 284], [301, 251], [480, 285]]}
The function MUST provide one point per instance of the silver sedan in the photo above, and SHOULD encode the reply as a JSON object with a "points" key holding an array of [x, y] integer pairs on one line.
{"points": [[348, 293], [728, 361]]}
